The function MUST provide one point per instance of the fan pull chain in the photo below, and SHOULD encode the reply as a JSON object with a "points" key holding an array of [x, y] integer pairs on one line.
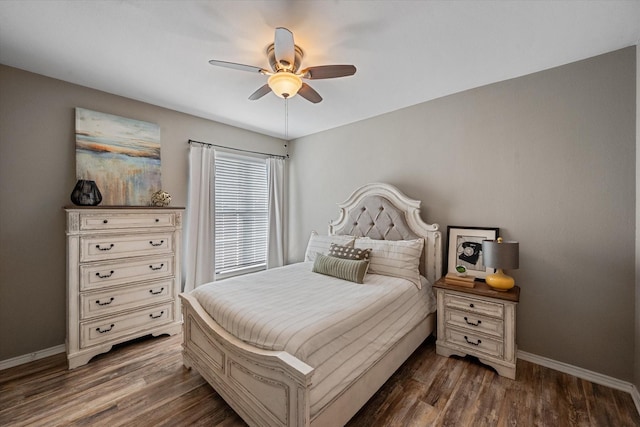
{"points": [[286, 119]]}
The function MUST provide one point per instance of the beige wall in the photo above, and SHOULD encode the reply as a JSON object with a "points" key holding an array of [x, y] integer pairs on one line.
{"points": [[549, 158], [37, 174], [637, 354]]}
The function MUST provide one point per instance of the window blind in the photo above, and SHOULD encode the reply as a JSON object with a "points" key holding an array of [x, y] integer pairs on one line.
{"points": [[241, 213]]}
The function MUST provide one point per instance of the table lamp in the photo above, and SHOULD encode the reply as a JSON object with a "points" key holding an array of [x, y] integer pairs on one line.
{"points": [[500, 254]]}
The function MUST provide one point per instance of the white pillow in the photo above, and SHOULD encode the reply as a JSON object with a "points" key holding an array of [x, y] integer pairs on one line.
{"points": [[396, 258], [320, 244]]}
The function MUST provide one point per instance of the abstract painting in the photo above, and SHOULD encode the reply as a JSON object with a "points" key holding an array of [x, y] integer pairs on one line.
{"points": [[121, 155]]}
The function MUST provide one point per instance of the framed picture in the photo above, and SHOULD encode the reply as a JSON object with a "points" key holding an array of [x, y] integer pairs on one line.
{"points": [[464, 247]]}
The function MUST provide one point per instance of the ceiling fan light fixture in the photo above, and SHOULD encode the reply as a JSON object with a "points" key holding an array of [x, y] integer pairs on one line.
{"points": [[285, 84]]}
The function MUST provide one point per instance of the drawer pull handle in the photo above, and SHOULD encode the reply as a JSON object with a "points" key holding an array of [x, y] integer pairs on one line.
{"points": [[158, 316], [157, 220], [108, 248], [471, 305], [103, 331], [109, 274], [471, 323], [105, 221], [156, 268], [471, 342], [105, 303], [156, 244], [156, 293]]}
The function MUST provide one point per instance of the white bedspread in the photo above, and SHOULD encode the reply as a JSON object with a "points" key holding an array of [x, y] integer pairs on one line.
{"points": [[338, 327]]}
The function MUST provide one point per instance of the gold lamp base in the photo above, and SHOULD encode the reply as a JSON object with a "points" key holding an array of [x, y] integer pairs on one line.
{"points": [[500, 281]]}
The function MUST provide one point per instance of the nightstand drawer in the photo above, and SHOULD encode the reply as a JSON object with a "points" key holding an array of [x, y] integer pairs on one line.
{"points": [[100, 275], [475, 323], [474, 305], [97, 248], [99, 331], [475, 343], [115, 220], [114, 300]]}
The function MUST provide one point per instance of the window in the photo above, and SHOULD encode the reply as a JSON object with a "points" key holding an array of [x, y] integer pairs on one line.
{"points": [[241, 214]]}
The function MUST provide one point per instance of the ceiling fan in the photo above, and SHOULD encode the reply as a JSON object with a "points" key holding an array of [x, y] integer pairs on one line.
{"points": [[285, 80]]}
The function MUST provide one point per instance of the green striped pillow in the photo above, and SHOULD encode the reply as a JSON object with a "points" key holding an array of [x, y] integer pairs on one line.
{"points": [[345, 269]]}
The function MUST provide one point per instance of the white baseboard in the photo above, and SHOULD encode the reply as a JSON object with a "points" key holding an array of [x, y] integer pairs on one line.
{"points": [[26, 358], [585, 374], [636, 397]]}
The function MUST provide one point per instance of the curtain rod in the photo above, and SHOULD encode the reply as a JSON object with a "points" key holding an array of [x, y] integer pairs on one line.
{"points": [[191, 141]]}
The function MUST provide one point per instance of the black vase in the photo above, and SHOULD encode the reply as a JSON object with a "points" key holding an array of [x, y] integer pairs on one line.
{"points": [[86, 193]]}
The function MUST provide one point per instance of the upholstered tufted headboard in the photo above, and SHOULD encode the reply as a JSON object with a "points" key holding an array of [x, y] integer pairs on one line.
{"points": [[380, 211]]}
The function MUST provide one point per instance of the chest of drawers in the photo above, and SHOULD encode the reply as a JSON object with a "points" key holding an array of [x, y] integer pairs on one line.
{"points": [[123, 277], [478, 321]]}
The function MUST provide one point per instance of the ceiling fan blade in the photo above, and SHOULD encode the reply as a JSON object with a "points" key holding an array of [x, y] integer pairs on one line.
{"points": [[240, 67], [284, 47], [308, 93], [328, 71], [260, 92]]}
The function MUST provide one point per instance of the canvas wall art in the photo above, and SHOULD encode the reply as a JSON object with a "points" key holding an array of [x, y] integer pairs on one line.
{"points": [[121, 155]]}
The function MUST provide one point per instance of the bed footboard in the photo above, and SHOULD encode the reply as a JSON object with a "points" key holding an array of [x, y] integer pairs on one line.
{"points": [[266, 388]]}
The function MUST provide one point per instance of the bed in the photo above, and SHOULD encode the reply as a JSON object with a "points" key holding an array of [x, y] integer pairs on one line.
{"points": [[293, 377]]}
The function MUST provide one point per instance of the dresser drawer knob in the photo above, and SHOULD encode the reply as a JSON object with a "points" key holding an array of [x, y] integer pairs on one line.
{"points": [[471, 305], [471, 323], [471, 342], [105, 303], [157, 220], [104, 276], [156, 268], [158, 316], [108, 248], [156, 293], [105, 221], [103, 331], [156, 244]]}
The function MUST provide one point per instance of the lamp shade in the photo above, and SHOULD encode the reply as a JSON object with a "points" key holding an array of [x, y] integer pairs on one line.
{"points": [[500, 254], [285, 84]]}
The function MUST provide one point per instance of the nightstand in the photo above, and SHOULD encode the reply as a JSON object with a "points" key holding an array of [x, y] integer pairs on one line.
{"points": [[478, 321]]}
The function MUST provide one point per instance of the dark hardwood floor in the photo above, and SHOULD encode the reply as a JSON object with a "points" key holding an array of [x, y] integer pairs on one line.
{"points": [[143, 383]]}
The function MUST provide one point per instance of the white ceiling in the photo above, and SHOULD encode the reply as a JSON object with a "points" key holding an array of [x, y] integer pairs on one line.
{"points": [[406, 52]]}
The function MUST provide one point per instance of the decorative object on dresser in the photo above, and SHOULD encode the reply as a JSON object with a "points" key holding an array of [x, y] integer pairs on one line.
{"points": [[464, 248], [501, 255], [86, 193], [161, 199], [123, 277], [480, 322], [465, 281]]}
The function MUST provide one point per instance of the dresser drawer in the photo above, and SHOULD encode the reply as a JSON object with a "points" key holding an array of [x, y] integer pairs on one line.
{"points": [[474, 305], [115, 220], [97, 248], [98, 331], [93, 304], [475, 323], [475, 343], [102, 274]]}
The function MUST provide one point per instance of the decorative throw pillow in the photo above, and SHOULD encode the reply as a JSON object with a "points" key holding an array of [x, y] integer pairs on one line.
{"points": [[397, 258], [345, 269], [320, 244], [347, 252]]}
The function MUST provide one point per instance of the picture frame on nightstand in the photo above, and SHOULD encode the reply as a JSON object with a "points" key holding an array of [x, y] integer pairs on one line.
{"points": [[464, 247]]}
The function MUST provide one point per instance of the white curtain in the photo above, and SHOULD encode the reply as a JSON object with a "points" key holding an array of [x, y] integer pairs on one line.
{"points": [[275, 239], [199, 234]]}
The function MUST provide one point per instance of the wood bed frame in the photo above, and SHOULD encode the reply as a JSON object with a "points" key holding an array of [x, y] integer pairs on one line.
{"points": [[271, 388]]}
